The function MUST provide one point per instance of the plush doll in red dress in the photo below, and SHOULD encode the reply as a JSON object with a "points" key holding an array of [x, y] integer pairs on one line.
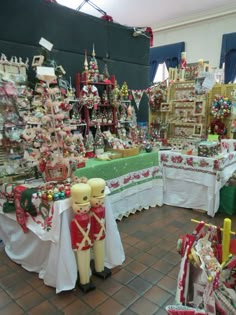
{"points": [[80, 229], [97, 212]]}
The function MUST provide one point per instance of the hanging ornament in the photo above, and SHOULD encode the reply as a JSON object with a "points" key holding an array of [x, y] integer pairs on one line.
{"points": [[124, 91], [137, 95], [115, 96], [221, 107], [89, 96]]}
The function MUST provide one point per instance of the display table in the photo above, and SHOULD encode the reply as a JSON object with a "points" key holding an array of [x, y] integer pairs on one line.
{"points": [[46, 247], [135, 182], [195, 182]]}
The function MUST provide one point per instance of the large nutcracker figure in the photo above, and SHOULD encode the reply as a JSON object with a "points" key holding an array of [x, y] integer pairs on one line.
{"points": [[97, 212], [80, 229]]}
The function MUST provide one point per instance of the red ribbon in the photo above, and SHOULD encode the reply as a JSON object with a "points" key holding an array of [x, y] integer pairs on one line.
{"points": [[150, 32]]}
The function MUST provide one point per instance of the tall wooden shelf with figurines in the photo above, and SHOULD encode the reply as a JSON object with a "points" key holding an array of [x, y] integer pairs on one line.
{"points": [[125, 113], [94, 90], [187, 117], [159, 109]]}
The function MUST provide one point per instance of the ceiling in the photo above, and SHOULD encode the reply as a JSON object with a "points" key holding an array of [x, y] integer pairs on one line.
{"points": [[157, 14]]}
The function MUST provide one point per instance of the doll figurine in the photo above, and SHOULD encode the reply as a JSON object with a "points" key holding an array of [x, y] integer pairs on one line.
{"points": [[97, 212], [81, 233], [183, 62]]}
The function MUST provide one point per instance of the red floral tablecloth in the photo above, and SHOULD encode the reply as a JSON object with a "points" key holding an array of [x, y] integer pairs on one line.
{"points": [[205, 176]]}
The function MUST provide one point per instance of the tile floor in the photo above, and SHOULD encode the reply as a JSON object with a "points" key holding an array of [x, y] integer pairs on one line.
{"points": [[144, 285]]}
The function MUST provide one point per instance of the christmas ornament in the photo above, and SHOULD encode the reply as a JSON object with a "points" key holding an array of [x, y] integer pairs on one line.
{"points": [[221, 107]]}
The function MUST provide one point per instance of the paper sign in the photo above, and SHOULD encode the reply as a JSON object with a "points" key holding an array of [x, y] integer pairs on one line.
{"points": [[209, 81], [46, 44], [234, 109], [45, 71], [213, 138]]}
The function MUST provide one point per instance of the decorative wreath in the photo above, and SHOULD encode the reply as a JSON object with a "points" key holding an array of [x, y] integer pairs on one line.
{"points": [[221, 107]]}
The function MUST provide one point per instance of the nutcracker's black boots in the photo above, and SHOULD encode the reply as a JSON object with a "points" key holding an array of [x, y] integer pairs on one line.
{"points": [[106, 273], [85, 288]]}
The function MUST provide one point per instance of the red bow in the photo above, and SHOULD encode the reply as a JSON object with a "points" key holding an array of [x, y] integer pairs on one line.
{"points": [[150, 32]]}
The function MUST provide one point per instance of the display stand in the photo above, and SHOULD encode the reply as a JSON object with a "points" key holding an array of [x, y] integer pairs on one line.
{"points": [[101, 113]]}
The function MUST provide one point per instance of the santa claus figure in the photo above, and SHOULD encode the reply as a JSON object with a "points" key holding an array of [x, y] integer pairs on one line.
{"points": [[98, 227], [80, 229]]}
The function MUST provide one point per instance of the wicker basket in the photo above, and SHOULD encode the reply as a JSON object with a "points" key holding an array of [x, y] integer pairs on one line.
{"points": [[128, 152]]}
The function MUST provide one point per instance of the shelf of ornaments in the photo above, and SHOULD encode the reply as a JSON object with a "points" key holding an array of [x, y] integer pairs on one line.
{"points": [[100, 106]]}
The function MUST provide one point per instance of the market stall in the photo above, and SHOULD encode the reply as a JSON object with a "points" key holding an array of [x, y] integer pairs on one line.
{"points": [[46, 247], [195, 181]]}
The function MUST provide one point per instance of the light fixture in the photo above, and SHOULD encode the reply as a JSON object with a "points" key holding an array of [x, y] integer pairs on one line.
{"points": [[92, 5]]}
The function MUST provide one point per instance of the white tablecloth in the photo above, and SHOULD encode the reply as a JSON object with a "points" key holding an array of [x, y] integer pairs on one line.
{"points": [[46, 247], [195, 182]]}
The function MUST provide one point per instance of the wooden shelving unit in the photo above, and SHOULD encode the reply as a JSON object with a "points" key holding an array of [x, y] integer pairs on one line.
{"points": [[103, 107]]}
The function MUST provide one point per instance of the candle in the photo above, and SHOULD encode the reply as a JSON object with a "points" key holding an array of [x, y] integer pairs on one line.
{"points": [[226, 239]]}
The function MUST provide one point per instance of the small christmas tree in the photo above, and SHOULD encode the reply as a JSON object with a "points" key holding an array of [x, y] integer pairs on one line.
{"points": [[124, 91], [99, 141], [93, 72]]}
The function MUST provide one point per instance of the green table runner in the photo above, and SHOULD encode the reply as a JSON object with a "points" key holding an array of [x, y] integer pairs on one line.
{"points": [[118, 167]]}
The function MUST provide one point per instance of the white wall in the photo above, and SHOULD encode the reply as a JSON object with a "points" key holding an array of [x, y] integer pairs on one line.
{"points": [[202, 39]]}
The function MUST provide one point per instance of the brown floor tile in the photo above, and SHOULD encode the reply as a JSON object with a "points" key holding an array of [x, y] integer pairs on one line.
{"points": [[163, 266], [110, 306], [131, 240], [145, 246], [157, 252], [125, 296], [30, 300], [4, 298], [11, 309], [161, 311], [144, 306], [44, 308], [62, 299], [110, 286], [174, 272], [35, 282], [157, 295], [94, 298], [9, 280], [146, 259], [139, 285], [168, 284], [5, 270], [46, 291], [173, 258], [151, 275], [136, 267], [128, 312], [19, 289], [132, 251], [77, 307], [127, 261], [124, 276]]}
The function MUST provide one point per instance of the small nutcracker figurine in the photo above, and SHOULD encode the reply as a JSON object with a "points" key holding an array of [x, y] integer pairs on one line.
{"points": [[81, 233], [183, 62], [97, 212]]}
